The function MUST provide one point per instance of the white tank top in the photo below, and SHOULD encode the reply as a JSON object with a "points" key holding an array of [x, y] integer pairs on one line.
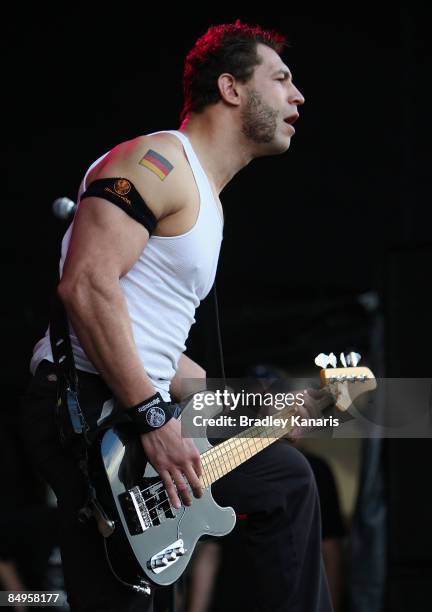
{"points": [[164, 286]]}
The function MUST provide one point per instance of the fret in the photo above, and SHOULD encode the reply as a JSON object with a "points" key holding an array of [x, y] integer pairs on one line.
{"points": [[221, 459], [212, 472], [227, 460]]}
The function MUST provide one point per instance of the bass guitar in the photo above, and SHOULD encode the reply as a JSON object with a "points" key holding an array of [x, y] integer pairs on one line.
{"points": [[161, 538]]}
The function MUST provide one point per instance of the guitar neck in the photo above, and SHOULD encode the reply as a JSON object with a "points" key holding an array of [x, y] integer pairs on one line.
{"points": [[226, 456], [344, 384]]}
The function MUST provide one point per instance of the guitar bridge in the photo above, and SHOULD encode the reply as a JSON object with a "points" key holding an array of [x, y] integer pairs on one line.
{"points": [[145, 508], [135, 511]]}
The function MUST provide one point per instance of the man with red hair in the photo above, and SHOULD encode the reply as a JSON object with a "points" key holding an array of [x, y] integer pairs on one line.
{"points": [[140, 256]]}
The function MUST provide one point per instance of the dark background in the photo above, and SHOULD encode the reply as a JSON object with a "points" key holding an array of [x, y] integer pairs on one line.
{"points": [[326, 247]]}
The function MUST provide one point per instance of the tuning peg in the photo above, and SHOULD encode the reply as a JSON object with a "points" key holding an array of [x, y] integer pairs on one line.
{"points": [[322, 360], [343, 360], [353, 359]]}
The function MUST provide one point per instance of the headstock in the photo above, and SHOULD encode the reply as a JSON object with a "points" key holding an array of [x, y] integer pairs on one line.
{"points": [[348, 383]]}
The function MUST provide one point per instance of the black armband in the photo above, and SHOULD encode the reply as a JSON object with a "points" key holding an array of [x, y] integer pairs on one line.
{"points": [[122, 193], [151, 414]]}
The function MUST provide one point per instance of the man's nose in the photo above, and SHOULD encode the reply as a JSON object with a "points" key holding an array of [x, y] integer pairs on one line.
{"points": [[296, 97]]}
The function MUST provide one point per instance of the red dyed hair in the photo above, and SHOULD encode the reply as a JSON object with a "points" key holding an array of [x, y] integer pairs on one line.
{"points": [[231, 48]]}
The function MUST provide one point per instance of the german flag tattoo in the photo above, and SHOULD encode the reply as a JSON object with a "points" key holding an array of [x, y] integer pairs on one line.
{"points": [[157, 164]]}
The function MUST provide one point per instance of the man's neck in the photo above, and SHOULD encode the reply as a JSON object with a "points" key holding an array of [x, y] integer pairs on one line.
{"points": [[222, 151]]}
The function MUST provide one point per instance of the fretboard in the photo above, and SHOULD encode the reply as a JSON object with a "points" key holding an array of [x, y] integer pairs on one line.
{"points": [[226, 456]]}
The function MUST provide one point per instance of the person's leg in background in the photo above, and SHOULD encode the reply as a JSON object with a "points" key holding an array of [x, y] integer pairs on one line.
{"points": [[202, 575]]}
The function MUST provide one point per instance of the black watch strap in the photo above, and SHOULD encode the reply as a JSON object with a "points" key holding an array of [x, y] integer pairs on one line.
{"points": [[151, 414]]}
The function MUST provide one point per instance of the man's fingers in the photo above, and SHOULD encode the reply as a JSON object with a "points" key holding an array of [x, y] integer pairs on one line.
{"points": [[197, 466], [194, 481], [303, 411], [180, 469], [316, 400], [170, 489], [312, 408], [194, 456], [196, 463], [182, 487]]}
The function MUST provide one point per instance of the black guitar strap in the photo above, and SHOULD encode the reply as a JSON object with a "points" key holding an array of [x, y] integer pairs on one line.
{"points": [[74, 431], [61, 344], [73, 427]]}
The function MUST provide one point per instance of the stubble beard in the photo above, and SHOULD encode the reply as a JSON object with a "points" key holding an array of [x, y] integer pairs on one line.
{"points": [[259, 121]]}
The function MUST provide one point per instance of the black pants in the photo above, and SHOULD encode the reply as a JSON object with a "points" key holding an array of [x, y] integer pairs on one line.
{"points": [[276, 489]]}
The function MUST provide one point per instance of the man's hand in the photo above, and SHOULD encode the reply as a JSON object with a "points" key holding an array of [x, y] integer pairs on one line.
{"points": [[175, 458], [315, 401]]}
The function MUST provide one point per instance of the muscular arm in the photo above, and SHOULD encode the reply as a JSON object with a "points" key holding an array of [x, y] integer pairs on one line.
{"points": [[105, 244]]}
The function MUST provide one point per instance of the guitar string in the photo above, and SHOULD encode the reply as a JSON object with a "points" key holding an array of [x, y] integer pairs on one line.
{"points": [[206, 464], [207, 456], [262, 431], [262, 435], [208, 460], [238, 444], [233, 444]]}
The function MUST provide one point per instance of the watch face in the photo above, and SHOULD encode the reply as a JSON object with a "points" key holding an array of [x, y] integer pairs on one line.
{"points": [[155, 417]]}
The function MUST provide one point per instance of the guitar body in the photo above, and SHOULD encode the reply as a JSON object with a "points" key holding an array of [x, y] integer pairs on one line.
{"points": [[161, 538]]}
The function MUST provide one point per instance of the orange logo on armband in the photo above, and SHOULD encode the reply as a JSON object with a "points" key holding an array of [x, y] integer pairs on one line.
{"points": [[122, 186]]}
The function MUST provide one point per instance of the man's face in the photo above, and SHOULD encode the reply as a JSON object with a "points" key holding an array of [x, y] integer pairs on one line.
{"points": [[270, 105]]}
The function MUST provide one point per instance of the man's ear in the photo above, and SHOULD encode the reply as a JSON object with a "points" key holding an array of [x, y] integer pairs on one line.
{"points": [[228, 89]]}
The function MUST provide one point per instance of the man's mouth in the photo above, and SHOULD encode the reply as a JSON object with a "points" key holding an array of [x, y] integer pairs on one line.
{"points": [[291, 119]]}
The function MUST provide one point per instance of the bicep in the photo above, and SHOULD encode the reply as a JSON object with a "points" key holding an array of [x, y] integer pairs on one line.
{"points": [[105, 241]]}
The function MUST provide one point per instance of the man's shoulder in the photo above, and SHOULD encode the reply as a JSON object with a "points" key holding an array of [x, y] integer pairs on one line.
{"points": [[161, 155], [157, 166], [162, 144]]}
